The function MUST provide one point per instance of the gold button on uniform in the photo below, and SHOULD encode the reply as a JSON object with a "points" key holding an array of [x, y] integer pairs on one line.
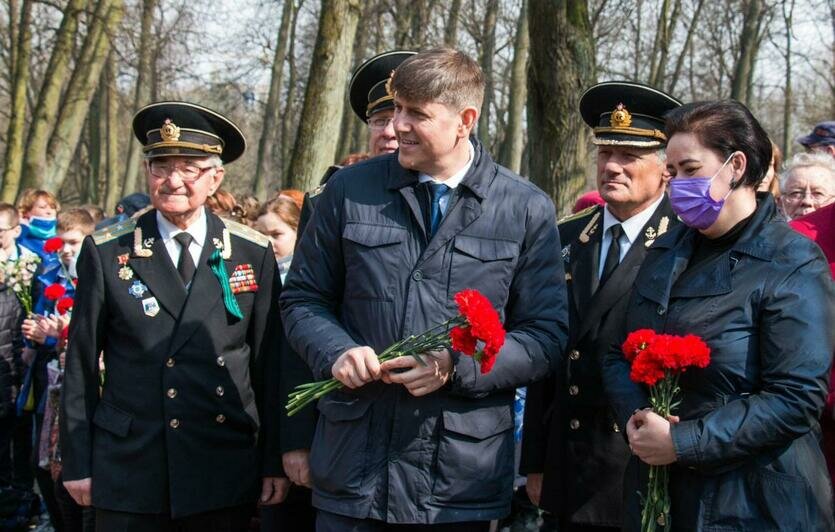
{"points": [[169, 363], [220, 361], [574, 355], [615, 427], [220, 418], [171, 393], [174, 423], [219, 391], [574, 424], [573, 389]]}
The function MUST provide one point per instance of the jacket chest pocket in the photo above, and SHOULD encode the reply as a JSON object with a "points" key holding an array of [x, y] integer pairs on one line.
{"points": [[373, 255], [483, 263]]}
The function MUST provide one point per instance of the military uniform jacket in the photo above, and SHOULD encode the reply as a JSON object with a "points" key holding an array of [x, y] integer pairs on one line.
{"points": [[183, 422], [366, 273], [570, 434]]}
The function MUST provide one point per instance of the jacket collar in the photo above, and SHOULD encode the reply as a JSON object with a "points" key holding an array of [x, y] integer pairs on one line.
{"points": [[658, 281], [477, 179]]}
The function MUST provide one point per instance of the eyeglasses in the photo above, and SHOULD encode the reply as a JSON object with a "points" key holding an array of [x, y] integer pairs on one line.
{"points": [[188, 172], [797, 196], [380, 123]]}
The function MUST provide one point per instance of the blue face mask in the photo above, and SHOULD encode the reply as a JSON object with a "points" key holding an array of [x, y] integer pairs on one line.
{"points": [[43, 228], [691, 200]]}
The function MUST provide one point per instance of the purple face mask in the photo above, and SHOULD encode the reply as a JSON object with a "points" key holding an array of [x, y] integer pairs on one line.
{"points": [[691, 200]]}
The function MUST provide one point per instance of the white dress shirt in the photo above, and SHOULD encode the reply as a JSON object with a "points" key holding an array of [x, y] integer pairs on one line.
{"points": [[197, 230], [631, 231], [452, 181]]}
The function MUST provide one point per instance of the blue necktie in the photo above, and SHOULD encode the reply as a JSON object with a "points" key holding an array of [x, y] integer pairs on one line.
{"points": [[437, 190]]}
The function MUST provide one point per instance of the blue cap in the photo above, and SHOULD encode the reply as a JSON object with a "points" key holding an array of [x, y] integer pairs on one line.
{"points": [[824, 133]]}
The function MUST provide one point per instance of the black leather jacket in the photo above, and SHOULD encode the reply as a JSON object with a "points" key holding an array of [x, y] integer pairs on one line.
{"points": [[747, 446]]}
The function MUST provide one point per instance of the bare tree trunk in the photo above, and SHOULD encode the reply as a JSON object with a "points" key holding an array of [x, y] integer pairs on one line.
{"points": [[788, 14], [666, 30], [290, 104], [261, 184], [402, 23], [514, 142], [688, 42], [110, 187], [562, 67], [349, 120], [141, 96], [14, 28], [488, 50], [13, 162], [748, 52], [49, 98], [636, 72], [96, 124], [451, 29], [315, 145], [81, 87]]}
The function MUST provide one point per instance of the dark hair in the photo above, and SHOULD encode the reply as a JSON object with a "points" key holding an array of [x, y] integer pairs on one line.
{"points": [[725, 126]]}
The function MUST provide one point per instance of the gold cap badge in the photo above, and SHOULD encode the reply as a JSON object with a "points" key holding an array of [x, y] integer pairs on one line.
{"points": [[169, 131], [620, 117], [388, 84]]}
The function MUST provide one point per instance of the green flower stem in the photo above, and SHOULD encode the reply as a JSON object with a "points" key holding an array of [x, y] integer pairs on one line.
{"points": [[432, 340], [656, 505]]}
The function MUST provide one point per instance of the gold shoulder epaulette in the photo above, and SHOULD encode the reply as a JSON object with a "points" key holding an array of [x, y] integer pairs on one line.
{"points": [[318, 190], [579, 214], [111, 232], [246, 232]]}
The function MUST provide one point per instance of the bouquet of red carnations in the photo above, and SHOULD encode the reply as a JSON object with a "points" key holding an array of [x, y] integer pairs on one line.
{"points": [[658, 360], [476, 331]]}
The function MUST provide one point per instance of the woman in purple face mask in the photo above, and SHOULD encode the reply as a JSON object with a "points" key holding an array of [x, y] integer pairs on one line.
{"points": [[743, 448]]}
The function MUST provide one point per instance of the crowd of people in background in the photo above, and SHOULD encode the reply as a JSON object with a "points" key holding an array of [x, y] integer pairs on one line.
{"points": [[45, 237]]}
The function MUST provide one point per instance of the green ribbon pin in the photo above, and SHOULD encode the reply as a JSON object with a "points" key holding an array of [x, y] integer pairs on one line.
{"points": [[219, 269]]}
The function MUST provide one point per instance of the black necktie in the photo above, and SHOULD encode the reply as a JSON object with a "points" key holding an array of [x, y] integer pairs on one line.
{"points": [[613, 255], [185, 266]]}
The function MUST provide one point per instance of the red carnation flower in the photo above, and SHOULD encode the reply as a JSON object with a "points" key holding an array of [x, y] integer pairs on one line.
{"points": [[646, 370], [53, 245], [636, 342], [64, 305], [54, 292], [483, 325], [462, 340]]}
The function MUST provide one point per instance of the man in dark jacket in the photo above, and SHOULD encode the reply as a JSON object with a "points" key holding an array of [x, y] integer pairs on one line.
{"points": [[181, 435], [394, 239], [573, 452]]}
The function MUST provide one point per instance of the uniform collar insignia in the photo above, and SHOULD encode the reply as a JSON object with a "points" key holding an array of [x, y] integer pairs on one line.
{"points": [[651, 234], [590, 228], [139, 249]]}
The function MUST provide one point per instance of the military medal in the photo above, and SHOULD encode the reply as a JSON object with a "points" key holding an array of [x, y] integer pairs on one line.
{"points": [[125, 272], [243, 279], [137, 289], [150, 306]]}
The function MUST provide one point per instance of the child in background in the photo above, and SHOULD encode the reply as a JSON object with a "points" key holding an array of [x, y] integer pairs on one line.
{"points": [[54, 286], [38, 215]]}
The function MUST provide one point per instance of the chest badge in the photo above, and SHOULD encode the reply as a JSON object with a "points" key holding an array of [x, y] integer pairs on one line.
{"points": [[150, 306], [137, 289]]}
